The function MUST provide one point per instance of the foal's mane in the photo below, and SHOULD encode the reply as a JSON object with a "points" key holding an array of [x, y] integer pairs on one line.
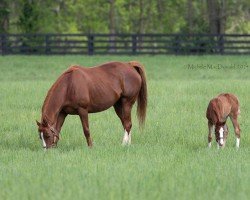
{"points": [[217, 109]]}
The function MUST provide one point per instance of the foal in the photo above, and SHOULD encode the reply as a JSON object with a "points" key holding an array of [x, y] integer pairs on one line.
{"points": [[218, 111]]}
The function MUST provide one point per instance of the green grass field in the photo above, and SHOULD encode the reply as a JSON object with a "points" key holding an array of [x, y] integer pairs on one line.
{"points": [[168, 160]]}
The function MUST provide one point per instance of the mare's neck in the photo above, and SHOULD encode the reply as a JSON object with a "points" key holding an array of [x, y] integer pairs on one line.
{"points": [[53, 105]]}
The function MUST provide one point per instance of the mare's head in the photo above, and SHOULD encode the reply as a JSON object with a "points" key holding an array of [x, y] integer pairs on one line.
{"points": [[47, 134], [221, 133]]}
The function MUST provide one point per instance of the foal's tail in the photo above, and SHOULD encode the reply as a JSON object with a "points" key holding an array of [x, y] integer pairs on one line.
{"points": [[143, 94]]}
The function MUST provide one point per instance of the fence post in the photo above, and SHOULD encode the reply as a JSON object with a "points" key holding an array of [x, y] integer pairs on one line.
{"points": [[47, 45], [3, 44], [112, 43], [90, 45], [177, 45], [134, 44], [221, 44]]}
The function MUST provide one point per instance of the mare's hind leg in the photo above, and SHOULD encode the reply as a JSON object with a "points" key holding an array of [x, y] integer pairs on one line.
{"points": [[210, 132], [123, 109], [83, 113], [236, 128]]}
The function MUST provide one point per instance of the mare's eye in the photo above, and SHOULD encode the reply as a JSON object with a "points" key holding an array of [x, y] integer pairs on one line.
{"points": [[45, 136]]}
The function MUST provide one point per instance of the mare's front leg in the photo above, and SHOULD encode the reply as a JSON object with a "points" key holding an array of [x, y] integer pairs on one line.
{"points": [[210, 132], [60, 121], [83, 113]]}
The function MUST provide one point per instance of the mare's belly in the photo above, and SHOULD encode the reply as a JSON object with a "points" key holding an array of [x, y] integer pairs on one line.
{"points": [[93, 105], [100, 100], [70, 110], [91, 108], [100, 106]]}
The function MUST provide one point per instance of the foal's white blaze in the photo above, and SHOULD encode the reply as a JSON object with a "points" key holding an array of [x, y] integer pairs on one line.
{"points": [[237, 142], [209, 144], [44, 144], [221, 135], [126, 138]]}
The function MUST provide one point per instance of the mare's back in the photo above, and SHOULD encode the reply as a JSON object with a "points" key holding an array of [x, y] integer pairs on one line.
{"points": [[110, 69]]}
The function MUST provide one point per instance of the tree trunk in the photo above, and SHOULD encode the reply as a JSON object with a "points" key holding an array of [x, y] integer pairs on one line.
{"points": [[4, 17], [161, 11], [190, 12], [112, 25], [217, 16], [212, 15], [112, 17], [223, 16], [141, 19], [217, 21]]}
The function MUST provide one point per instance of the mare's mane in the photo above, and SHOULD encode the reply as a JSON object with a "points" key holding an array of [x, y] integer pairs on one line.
{"points": [[52, 89]]}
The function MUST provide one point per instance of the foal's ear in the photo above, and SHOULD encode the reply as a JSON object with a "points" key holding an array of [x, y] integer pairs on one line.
{"points": [[38, 123]]}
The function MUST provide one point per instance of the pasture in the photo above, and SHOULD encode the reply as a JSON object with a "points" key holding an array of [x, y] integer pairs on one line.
{"points": [[169, 159]]}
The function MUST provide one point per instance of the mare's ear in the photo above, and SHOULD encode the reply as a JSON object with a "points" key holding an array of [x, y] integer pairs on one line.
{"points": [[45, 123], [38, 123]]}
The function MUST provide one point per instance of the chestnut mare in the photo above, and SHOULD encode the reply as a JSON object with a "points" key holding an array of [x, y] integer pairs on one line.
{"points": [[218, 111], [79, 91]]}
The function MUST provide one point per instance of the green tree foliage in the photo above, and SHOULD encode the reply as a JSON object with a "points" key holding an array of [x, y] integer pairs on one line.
{"points": [[30, 17], [92, 17], [124, 16], [238, 16], [36, 16]]}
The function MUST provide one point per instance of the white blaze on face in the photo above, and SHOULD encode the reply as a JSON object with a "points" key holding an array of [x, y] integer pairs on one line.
{"points": [[44, 144], [221, 131]]}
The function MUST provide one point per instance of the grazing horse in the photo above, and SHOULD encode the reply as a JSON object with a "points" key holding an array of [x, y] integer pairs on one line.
{"points": [[79, 91], [218, 111]]}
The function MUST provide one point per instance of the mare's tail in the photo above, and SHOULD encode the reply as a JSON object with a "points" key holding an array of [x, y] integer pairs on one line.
{"points": [[143, 96]]}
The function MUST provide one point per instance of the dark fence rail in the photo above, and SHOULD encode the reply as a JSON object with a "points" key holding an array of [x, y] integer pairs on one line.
{"points": [[133, 44]]}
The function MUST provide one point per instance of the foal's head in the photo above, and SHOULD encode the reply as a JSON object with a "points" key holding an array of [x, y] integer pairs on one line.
{"points": [[221, 133], [47, 134]]}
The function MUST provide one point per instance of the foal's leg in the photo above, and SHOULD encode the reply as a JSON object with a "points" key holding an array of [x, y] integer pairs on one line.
{"points": [[225, 133], [123, 109], [210, 132], [83, 113], [236, 129]]}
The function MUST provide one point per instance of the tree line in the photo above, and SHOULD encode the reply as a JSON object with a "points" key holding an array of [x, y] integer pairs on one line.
{"points": [[125, 16]]}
